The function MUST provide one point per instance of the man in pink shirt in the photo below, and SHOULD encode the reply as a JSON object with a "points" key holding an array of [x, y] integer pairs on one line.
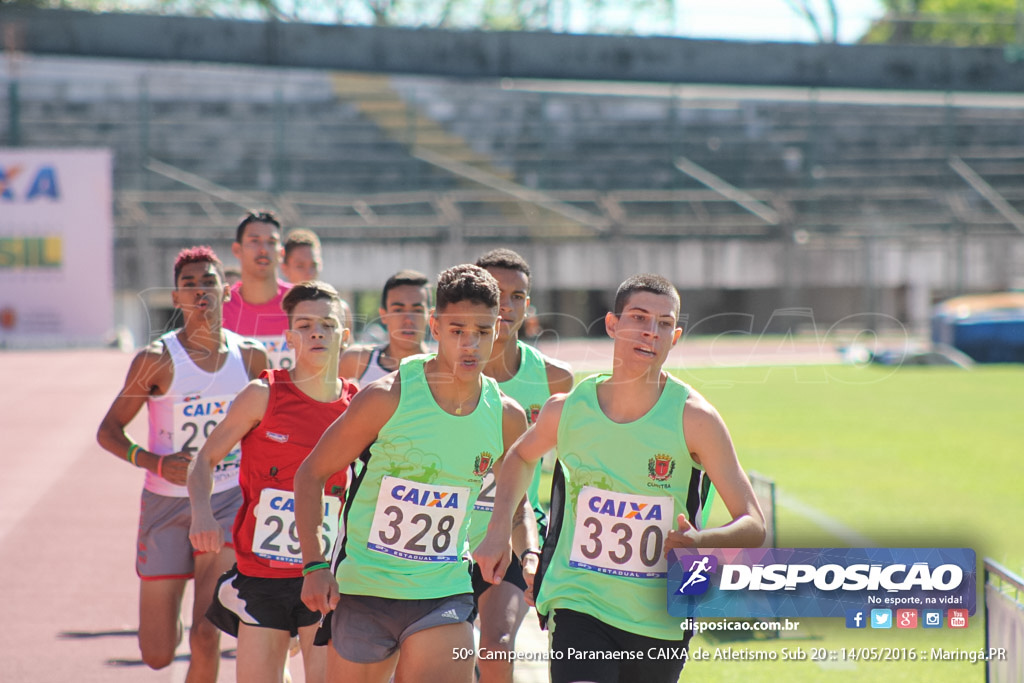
{"points": [[254, 309]]}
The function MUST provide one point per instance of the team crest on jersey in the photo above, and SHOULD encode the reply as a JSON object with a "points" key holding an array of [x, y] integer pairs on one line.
{"points": [[534, 412], [483, 463], [661, 467]]}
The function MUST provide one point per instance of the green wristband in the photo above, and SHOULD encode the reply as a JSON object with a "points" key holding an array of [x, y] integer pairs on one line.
{"points": [[315, 567]]}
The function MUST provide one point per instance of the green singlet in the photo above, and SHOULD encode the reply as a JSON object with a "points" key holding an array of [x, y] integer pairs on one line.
{"points": [[529, 388], [408, 520], [622, 487]]}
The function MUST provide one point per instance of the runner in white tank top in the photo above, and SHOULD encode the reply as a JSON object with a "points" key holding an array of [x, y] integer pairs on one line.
{"points": [[374, 368], [195, 403], [186, 378], [405, 304]]}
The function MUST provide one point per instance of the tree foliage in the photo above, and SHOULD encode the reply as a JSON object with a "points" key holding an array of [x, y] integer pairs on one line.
{"points": [[824, 23], [948, 22]]}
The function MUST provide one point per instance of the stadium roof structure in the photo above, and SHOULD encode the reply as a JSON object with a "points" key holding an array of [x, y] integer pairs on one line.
{"points": [[515, 54]]}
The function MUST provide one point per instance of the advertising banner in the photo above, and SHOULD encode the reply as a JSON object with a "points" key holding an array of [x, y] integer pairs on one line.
{"points": [[819, 582], [56, 247]]}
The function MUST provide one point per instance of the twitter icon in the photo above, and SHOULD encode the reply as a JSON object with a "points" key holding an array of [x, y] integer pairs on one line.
{"points": [[881, 618]]}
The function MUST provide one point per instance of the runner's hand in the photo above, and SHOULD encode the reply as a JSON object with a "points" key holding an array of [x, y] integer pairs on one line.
{"points": [[493, 556], [320, 591], [174, 467], [683, 537], [205, 532]]}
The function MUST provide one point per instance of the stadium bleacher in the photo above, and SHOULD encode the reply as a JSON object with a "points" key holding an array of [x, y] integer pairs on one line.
{"points": [[349, 155]]}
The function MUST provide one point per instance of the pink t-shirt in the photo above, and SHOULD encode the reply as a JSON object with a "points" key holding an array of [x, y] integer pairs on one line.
{"points": [[264, 322], [256, 320]]}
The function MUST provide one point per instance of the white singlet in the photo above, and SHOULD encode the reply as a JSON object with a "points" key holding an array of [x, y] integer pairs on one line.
{"points": [[194, 404]]}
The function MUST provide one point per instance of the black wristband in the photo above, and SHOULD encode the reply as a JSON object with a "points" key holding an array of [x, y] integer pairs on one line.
{"points": [[531, 551]]}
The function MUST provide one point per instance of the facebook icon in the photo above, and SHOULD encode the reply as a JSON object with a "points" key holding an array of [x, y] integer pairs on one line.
{"points": [[856, 618]]}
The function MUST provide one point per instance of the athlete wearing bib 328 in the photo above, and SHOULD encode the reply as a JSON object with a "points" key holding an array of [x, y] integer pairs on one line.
{"points": [[187, 379], [409, 516], [628, 487], [433, 429], [278, 418]]}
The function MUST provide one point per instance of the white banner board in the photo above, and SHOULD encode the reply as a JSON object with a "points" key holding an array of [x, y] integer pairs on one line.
{"points": [[56, 247]]}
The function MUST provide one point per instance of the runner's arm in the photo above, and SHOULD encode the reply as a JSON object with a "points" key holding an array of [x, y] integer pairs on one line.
{"points": [[149, 375], [560, 377], [342, 443], [245, 413], [352, 362], [524, 523], [711, 446], [254, 357], [524, 528], [511, 482]]}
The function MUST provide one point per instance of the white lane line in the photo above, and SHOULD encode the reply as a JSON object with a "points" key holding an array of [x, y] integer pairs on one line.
{"points": [[829, 524]]}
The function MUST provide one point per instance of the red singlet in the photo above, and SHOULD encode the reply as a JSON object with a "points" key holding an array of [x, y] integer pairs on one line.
{"points": [[271, 453]]}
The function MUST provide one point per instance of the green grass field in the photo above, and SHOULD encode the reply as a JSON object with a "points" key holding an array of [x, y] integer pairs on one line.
{"points": [[907, 457]]}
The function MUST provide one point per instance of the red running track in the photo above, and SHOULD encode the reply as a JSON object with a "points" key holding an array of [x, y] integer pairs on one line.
{"points": [[68, 518]]}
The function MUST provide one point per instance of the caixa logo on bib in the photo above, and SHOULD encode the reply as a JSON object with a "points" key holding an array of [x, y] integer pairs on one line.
{"points": [[818, 582]]}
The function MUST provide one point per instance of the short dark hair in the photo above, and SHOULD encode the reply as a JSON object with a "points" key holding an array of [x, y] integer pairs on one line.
{"points": [[255, 217], [467, 283], [300, 237], [413, 278], [311, 290], [504, 258], [200, 254], [645, 282]]}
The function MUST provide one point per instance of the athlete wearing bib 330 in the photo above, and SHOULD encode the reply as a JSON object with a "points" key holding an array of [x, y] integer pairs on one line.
{"points": [[254, 308], [279, 418], [187, 379], [633, 448], [433, 429]]}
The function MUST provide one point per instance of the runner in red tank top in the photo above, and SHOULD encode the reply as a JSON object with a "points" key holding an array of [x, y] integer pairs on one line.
{"points": [[278, 418], [291, 426]]}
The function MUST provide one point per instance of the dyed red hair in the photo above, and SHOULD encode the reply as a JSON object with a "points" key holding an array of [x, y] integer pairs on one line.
{"points": [[200, 254]]}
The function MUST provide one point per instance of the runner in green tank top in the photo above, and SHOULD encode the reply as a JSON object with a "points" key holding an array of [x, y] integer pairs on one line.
{"points": [[528, 376], [433, 430], [635, 439]]}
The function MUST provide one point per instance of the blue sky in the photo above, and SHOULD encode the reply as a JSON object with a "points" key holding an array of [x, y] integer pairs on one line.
{"points": [[752, 19]]}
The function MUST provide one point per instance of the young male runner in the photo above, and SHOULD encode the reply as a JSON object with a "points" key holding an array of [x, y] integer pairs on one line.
{"points": [[528, 376], [637, 439], [254, 309], [404, 308], [187, 378], [433, 429], [278, 418], [303, 257], [303, 261]]}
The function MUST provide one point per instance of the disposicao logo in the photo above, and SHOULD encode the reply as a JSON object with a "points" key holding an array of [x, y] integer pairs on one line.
{"points": [[698, 569], [818, 582]]}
